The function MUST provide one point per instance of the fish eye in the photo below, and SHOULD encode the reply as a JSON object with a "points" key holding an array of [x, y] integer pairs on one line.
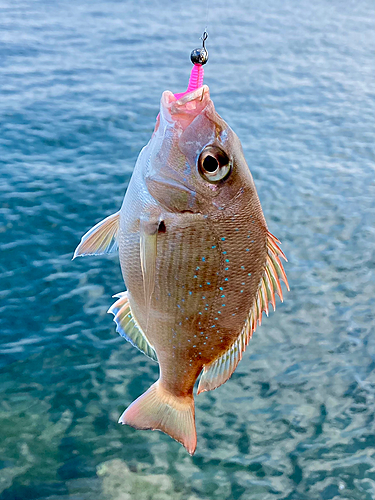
{"points": [[214, 164]]}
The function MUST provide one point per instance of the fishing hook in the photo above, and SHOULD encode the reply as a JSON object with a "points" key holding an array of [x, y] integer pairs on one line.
{"points": [[204, 38]]}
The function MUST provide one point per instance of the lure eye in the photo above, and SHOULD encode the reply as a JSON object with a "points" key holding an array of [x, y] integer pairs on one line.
{"points": [[213, 164]]}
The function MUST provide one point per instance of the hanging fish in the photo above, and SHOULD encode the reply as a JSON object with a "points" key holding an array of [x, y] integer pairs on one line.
{"points": [[197, 258]]}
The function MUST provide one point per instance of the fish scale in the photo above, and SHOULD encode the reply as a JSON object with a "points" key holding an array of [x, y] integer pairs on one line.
{"points": [[186, 290], [198, 261]]}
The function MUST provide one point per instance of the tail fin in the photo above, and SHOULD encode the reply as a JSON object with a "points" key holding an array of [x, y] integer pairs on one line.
{"points": [[159, 409]]}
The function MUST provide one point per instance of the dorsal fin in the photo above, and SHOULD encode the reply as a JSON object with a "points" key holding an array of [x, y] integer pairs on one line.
{"points": [[217, 372], [128, 327], [100, 239]]}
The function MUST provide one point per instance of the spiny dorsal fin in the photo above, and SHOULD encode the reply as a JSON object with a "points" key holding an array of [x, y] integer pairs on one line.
{"points": [[102, 238], [127, 326], [218, 372]]}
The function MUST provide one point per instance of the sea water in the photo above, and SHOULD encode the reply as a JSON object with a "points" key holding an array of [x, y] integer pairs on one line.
{"points": [[80, 84]]}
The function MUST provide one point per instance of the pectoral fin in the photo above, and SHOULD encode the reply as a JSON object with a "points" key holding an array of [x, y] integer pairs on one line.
{"points": [[102, 238], [148, 250]]}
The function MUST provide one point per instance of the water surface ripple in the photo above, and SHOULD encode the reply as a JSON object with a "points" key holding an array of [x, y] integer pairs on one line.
{"points": [[80, 83]]}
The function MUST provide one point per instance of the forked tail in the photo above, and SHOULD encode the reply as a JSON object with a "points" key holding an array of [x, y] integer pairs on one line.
{"points": [[158, 409]]}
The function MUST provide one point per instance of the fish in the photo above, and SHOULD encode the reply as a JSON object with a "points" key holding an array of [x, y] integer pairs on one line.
{"points": [[199, 263]]}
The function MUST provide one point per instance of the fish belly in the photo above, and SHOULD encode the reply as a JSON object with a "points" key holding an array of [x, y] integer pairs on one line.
{"points": [[204, 288]]}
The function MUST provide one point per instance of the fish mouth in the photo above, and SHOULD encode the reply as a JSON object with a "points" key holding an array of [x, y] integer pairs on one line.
{"points": [[185, 109]]}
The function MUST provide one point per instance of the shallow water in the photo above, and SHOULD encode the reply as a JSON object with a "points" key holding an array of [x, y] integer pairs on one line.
{"points": [[80, 84]]}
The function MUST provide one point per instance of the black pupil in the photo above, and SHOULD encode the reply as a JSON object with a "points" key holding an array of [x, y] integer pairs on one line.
{"points": [[210, 164]]}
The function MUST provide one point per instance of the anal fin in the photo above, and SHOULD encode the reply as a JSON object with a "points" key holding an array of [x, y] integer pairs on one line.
{"points": [[100, 239], [128, 327]]}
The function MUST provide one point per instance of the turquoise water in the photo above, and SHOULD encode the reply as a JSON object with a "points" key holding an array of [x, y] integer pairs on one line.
{"points": [[80, 84]]}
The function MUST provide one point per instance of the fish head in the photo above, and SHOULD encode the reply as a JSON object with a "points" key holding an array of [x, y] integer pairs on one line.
{"points": [[196, 163]]}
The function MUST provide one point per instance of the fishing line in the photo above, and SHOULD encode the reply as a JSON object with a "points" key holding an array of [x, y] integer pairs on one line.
{"points": [[207, 16]]}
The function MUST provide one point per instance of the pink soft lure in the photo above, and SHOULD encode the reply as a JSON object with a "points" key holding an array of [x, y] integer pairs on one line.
{"points": [[195, 81]]}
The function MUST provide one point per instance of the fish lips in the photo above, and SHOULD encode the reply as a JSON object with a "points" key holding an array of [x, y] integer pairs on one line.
{"points": [[184, 110]]}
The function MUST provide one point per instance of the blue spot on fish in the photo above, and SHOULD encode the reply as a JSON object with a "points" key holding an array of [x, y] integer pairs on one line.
{"points": [[226, 260], [213, 246], [204, 259], [226, 279], [224, 253], [222, 296]]}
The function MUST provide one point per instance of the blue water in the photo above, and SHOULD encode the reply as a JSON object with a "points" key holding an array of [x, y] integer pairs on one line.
{"points": [[80, 83]]}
